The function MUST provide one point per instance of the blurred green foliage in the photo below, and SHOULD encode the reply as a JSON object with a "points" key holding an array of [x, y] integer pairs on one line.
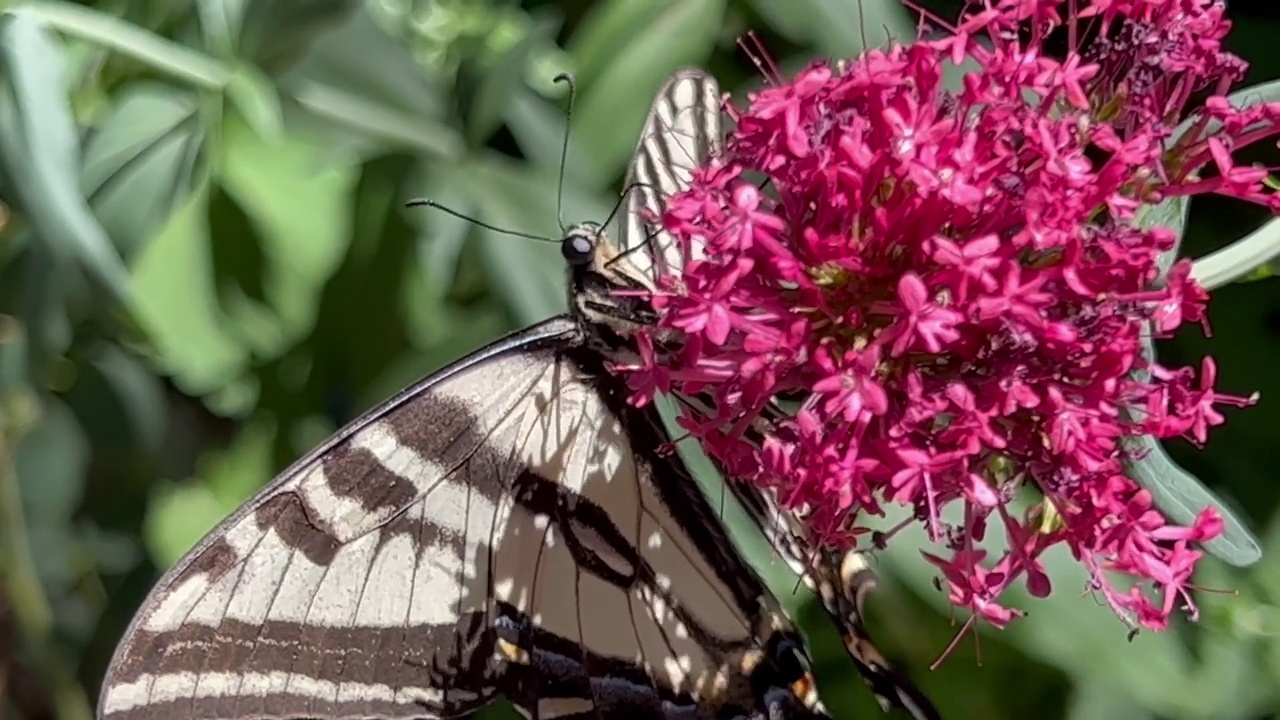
{"points": [[206, 267]]}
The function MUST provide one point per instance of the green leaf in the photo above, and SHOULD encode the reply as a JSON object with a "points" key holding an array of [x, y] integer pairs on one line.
{"points": [[253, 95], [39, 148], [121, 405], [1069, 629], [142, 161], [357, 79], [1102, 701], [154, 51], [486, 87], [39, 286], [538, 128], [606, 27], [441, 236], [1181, 496], [611, 110], [235, 252], [839, 28], [220, 22], [275, 34], [180, 514], [297, 207], [191, 344], [527, 274], [51, 460]]}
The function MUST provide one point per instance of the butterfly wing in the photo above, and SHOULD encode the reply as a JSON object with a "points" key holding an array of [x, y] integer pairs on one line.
{"points": [[681, 132], [504, 527], [842, 580]]}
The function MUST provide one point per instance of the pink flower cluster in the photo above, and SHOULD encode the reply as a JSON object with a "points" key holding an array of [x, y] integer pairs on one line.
{"points": [[954, 289]]}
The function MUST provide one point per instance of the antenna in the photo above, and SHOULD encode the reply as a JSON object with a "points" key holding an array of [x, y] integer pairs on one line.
{"points": [[567, 79], [426, 202], [618, 206]]}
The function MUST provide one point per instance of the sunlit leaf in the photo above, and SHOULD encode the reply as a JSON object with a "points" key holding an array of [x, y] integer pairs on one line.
{"points": [[1181, 496], [191, 344], [294, 197]]}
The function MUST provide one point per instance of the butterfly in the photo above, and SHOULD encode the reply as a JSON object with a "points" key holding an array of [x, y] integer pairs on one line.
{"points": [[505, 527]]}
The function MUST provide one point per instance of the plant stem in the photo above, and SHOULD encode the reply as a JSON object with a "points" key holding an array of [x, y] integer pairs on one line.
{"points": [[31, 609]]}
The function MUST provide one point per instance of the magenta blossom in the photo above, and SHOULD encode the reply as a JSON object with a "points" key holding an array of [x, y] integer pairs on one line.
{"points": [[955, 286]]}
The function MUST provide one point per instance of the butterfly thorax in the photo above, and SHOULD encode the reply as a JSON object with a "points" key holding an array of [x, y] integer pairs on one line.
{"points": [[608, 295]]}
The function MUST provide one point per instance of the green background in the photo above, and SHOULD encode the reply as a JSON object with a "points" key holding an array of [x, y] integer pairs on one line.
{"points": [[206, 267]]}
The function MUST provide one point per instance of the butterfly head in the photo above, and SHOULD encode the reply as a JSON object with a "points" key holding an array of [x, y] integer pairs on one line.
{"points": [[580, 244], [606, 290]]}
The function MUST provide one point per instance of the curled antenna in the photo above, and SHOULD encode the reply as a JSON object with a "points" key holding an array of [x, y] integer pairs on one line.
{"points": [[425, 202], [567, 79]]}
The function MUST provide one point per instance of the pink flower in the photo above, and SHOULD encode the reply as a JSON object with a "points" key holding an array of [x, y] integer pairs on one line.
{"points": [[954, 286]]}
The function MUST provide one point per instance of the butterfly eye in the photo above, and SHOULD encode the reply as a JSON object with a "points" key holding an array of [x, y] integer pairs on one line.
{"points": [[578, 247]]}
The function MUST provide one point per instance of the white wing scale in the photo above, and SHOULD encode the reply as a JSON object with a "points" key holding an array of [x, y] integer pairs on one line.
{"points": [[363, 581], [682, 131]]}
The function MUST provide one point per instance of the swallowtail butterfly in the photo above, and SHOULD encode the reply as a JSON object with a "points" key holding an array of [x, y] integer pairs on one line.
{"points": [[505, 527]]}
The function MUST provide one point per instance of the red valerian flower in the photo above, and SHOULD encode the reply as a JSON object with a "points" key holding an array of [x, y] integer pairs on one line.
{"points": [[956, 286]]}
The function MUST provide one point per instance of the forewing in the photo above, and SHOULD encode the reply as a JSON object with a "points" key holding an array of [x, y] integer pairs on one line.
{"points": [[490, 531], [682, 131]]}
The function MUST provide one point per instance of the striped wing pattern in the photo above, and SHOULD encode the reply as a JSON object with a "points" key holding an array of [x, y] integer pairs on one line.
{"points": [[496, 529], [681, 132], [842, 580]]}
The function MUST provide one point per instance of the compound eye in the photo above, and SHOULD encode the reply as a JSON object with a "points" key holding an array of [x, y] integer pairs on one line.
{"points": [[577, 248]]}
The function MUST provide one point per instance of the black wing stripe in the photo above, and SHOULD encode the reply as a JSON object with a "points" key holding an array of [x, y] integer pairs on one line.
{"points": [[680, 133], [366, 581]]}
